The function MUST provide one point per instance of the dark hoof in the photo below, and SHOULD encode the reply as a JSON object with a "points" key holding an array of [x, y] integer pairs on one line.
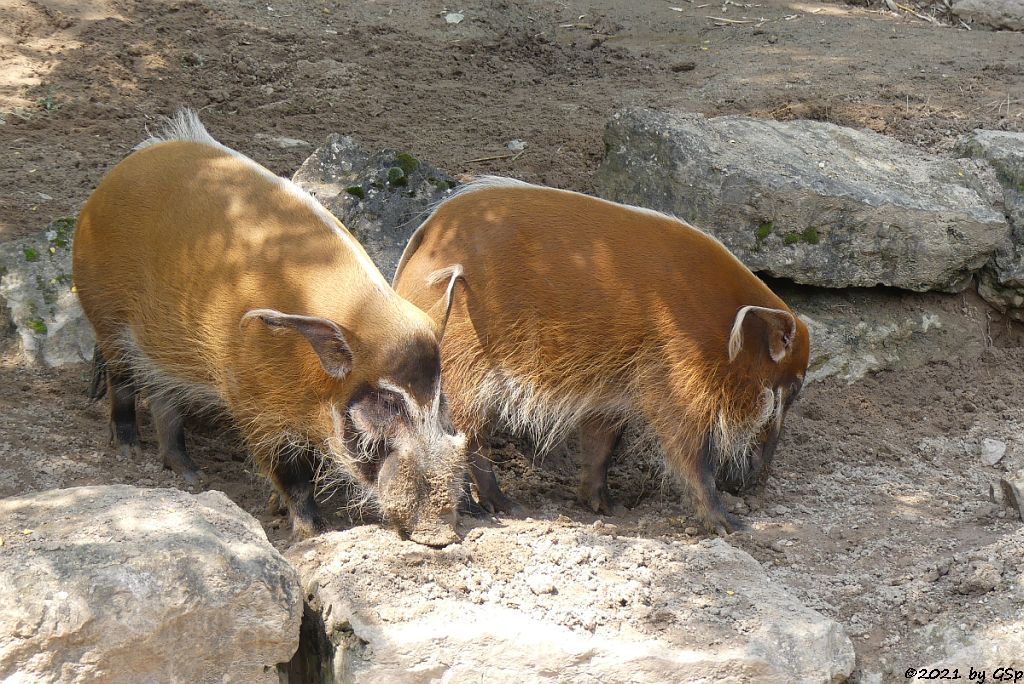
{"points": [[469, 506], [600, 502], [130, 452], [498, 502], [305, 527], [276, 505], [183, 466], [195, 479], [723, 524]]}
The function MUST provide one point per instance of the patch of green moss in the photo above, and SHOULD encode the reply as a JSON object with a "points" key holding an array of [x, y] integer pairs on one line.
{"points": [[407, 162], [764, 229], [809, 235], [377, 185], [356, 191], [63, 228], [37, 325], [397, 177], [818, 363], [48, 290], [31, 254]]}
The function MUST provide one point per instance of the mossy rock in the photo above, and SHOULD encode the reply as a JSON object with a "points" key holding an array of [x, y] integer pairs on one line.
{"points": [[37, 325], [809, 235], [397, 177], [407, 162]]}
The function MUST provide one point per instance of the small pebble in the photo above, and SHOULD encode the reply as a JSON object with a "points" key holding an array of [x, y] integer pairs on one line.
{"points": [[540, 584], [992, 451]]}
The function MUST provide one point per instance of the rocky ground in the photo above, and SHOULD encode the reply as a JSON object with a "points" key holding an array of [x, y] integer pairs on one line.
{"points": [[878, 512]]}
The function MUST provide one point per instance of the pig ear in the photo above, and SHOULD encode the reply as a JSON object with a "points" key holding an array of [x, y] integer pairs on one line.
{"points": [[443, 308], [779, 324], [326, 337]]}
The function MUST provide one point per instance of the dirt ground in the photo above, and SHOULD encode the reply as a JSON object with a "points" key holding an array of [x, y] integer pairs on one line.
{"points": [[877, 512]]}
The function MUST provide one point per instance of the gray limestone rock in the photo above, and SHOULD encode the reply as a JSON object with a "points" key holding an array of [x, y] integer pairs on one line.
{"points": [[126, 585], [1002, 281], [812, 202], [381, 197], [37, 299]]}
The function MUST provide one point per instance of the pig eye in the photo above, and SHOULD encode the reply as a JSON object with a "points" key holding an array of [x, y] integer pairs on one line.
{"points": [[389, 406]]}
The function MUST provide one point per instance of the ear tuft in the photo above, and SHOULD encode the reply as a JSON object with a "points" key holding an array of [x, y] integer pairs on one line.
{"points": [[453, 273], [325, 337], [781, 330]]}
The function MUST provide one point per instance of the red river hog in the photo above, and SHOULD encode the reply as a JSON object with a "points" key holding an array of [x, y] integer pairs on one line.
{"points": [[574, 312], [212, 282]]}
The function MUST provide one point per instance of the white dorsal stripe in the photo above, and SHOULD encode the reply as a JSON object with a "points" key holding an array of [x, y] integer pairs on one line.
{"points": [[186, 126], [489, 182]]}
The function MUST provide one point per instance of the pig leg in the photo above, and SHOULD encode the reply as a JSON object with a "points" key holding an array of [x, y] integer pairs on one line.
{"points": [[293, 474], [696, 461], [598, 439], [701, 473], [481, 471], [124, 428], [170, 430]]}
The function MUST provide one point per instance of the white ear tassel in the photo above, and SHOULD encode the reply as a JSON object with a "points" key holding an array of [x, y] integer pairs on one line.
{"points": [[453, 273], [736, 335]]}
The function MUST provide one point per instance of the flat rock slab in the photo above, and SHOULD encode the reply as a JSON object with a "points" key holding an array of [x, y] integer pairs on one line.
{"points": [[381, 197], [1002, 281], [528, 603], [37, 303], [121, 584], [812, 202]]}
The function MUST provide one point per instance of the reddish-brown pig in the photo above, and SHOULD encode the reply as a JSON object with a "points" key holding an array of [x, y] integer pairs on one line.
{"points": [[572, 311], [210, 281]]}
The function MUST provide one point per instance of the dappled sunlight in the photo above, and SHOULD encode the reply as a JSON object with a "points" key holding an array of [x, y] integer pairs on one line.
{"points": [[30, 62]]}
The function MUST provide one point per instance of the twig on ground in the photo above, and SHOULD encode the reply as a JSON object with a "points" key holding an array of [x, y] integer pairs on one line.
{"points": [[496, 157], [924, 17], [732, 21]]}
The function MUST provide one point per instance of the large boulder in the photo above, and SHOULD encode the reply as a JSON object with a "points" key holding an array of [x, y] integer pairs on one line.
{"points": [[857, 331], [991, 14], [528, 603], [37, 298], [812, 202], [120, 584], [381, 197], [1002, 280]]}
